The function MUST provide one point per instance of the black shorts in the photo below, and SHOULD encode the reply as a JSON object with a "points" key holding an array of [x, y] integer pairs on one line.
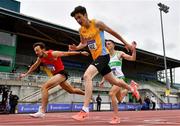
{"points": [[101, 63], [64, 73]]}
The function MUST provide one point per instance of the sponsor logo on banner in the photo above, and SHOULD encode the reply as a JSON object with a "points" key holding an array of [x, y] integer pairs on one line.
{"points": [[26, 108], [122, 107], [59, 107], [78, 106], [175, 106], [166, 106]]}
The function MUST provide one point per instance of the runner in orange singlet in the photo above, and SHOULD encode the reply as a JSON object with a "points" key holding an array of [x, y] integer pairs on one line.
{"points": [[92, 35]]}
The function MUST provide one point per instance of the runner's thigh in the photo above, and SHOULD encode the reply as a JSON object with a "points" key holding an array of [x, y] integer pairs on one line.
{"points": [[54, 81]]}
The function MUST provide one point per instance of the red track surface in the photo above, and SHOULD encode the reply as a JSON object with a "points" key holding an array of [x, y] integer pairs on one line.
{"points": [[128, 118]]}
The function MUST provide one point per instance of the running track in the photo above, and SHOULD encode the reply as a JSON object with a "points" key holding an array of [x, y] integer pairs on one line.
{"points": [[128, 118]]}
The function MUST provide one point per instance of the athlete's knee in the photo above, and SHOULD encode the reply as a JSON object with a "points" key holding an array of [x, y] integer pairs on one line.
{"points": [[71, 91], [87, 77], [113, 81], [118, 82], [111, 94], [44, 87]]}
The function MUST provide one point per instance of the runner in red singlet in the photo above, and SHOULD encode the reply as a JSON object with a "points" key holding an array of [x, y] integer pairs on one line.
{"points": [[52, 60]]}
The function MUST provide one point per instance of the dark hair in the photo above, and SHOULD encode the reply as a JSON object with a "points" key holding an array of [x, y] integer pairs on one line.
{"points": [[41, 44], [110, 41], [78, 9]]}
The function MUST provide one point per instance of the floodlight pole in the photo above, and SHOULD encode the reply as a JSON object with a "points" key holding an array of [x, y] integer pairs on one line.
{"points": [[164, 8]]}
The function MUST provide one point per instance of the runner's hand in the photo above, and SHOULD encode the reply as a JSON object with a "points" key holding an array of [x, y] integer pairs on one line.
{"points": [[22, 75], [85, 53], [72, 47], [128, 47], [133, 45]]}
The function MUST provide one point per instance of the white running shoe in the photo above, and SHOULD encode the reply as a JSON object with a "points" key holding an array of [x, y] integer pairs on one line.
{"points": [[37, 115]]}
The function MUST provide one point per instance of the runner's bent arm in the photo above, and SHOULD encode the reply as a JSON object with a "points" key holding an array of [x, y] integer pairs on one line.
{"points": [[32, 68], [131, 57], [104, 27], [81, 45], [71, 53]]}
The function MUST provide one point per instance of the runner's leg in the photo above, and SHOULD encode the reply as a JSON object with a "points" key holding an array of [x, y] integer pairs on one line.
{"points": [[70, 89]]}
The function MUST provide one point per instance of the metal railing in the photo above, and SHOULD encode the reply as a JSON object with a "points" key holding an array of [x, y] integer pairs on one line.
{"points": [[15, 76], [40, 79]]}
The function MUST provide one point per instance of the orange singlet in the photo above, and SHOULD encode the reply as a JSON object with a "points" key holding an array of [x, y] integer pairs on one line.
{"points": [[95, 40]]}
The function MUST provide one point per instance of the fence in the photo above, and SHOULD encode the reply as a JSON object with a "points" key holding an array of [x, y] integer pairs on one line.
{"points": [[74, 106]]}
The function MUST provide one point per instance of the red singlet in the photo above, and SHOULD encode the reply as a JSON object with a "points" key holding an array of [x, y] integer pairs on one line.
{"points": [[53, 64]]}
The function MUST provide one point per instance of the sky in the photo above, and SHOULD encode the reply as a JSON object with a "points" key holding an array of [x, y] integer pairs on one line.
{"points": [[135, 20]]}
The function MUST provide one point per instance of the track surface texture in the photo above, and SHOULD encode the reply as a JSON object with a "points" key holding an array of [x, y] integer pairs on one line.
{"points": [[128, 118]]}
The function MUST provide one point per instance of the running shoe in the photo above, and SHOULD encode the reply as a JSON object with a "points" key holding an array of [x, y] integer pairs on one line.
{"points": [[135, 92], [134, 83], [37, 115], [115, 120], [81, 116]]}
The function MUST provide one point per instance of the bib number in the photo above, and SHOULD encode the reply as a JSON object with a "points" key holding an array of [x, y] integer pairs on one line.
{"points": [[51, 67], [114, 71], [92, 45]]}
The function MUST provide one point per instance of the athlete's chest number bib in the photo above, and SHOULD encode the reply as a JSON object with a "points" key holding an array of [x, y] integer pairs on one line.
{"points": [[114, 71], [51, 67], [92, 45]]}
